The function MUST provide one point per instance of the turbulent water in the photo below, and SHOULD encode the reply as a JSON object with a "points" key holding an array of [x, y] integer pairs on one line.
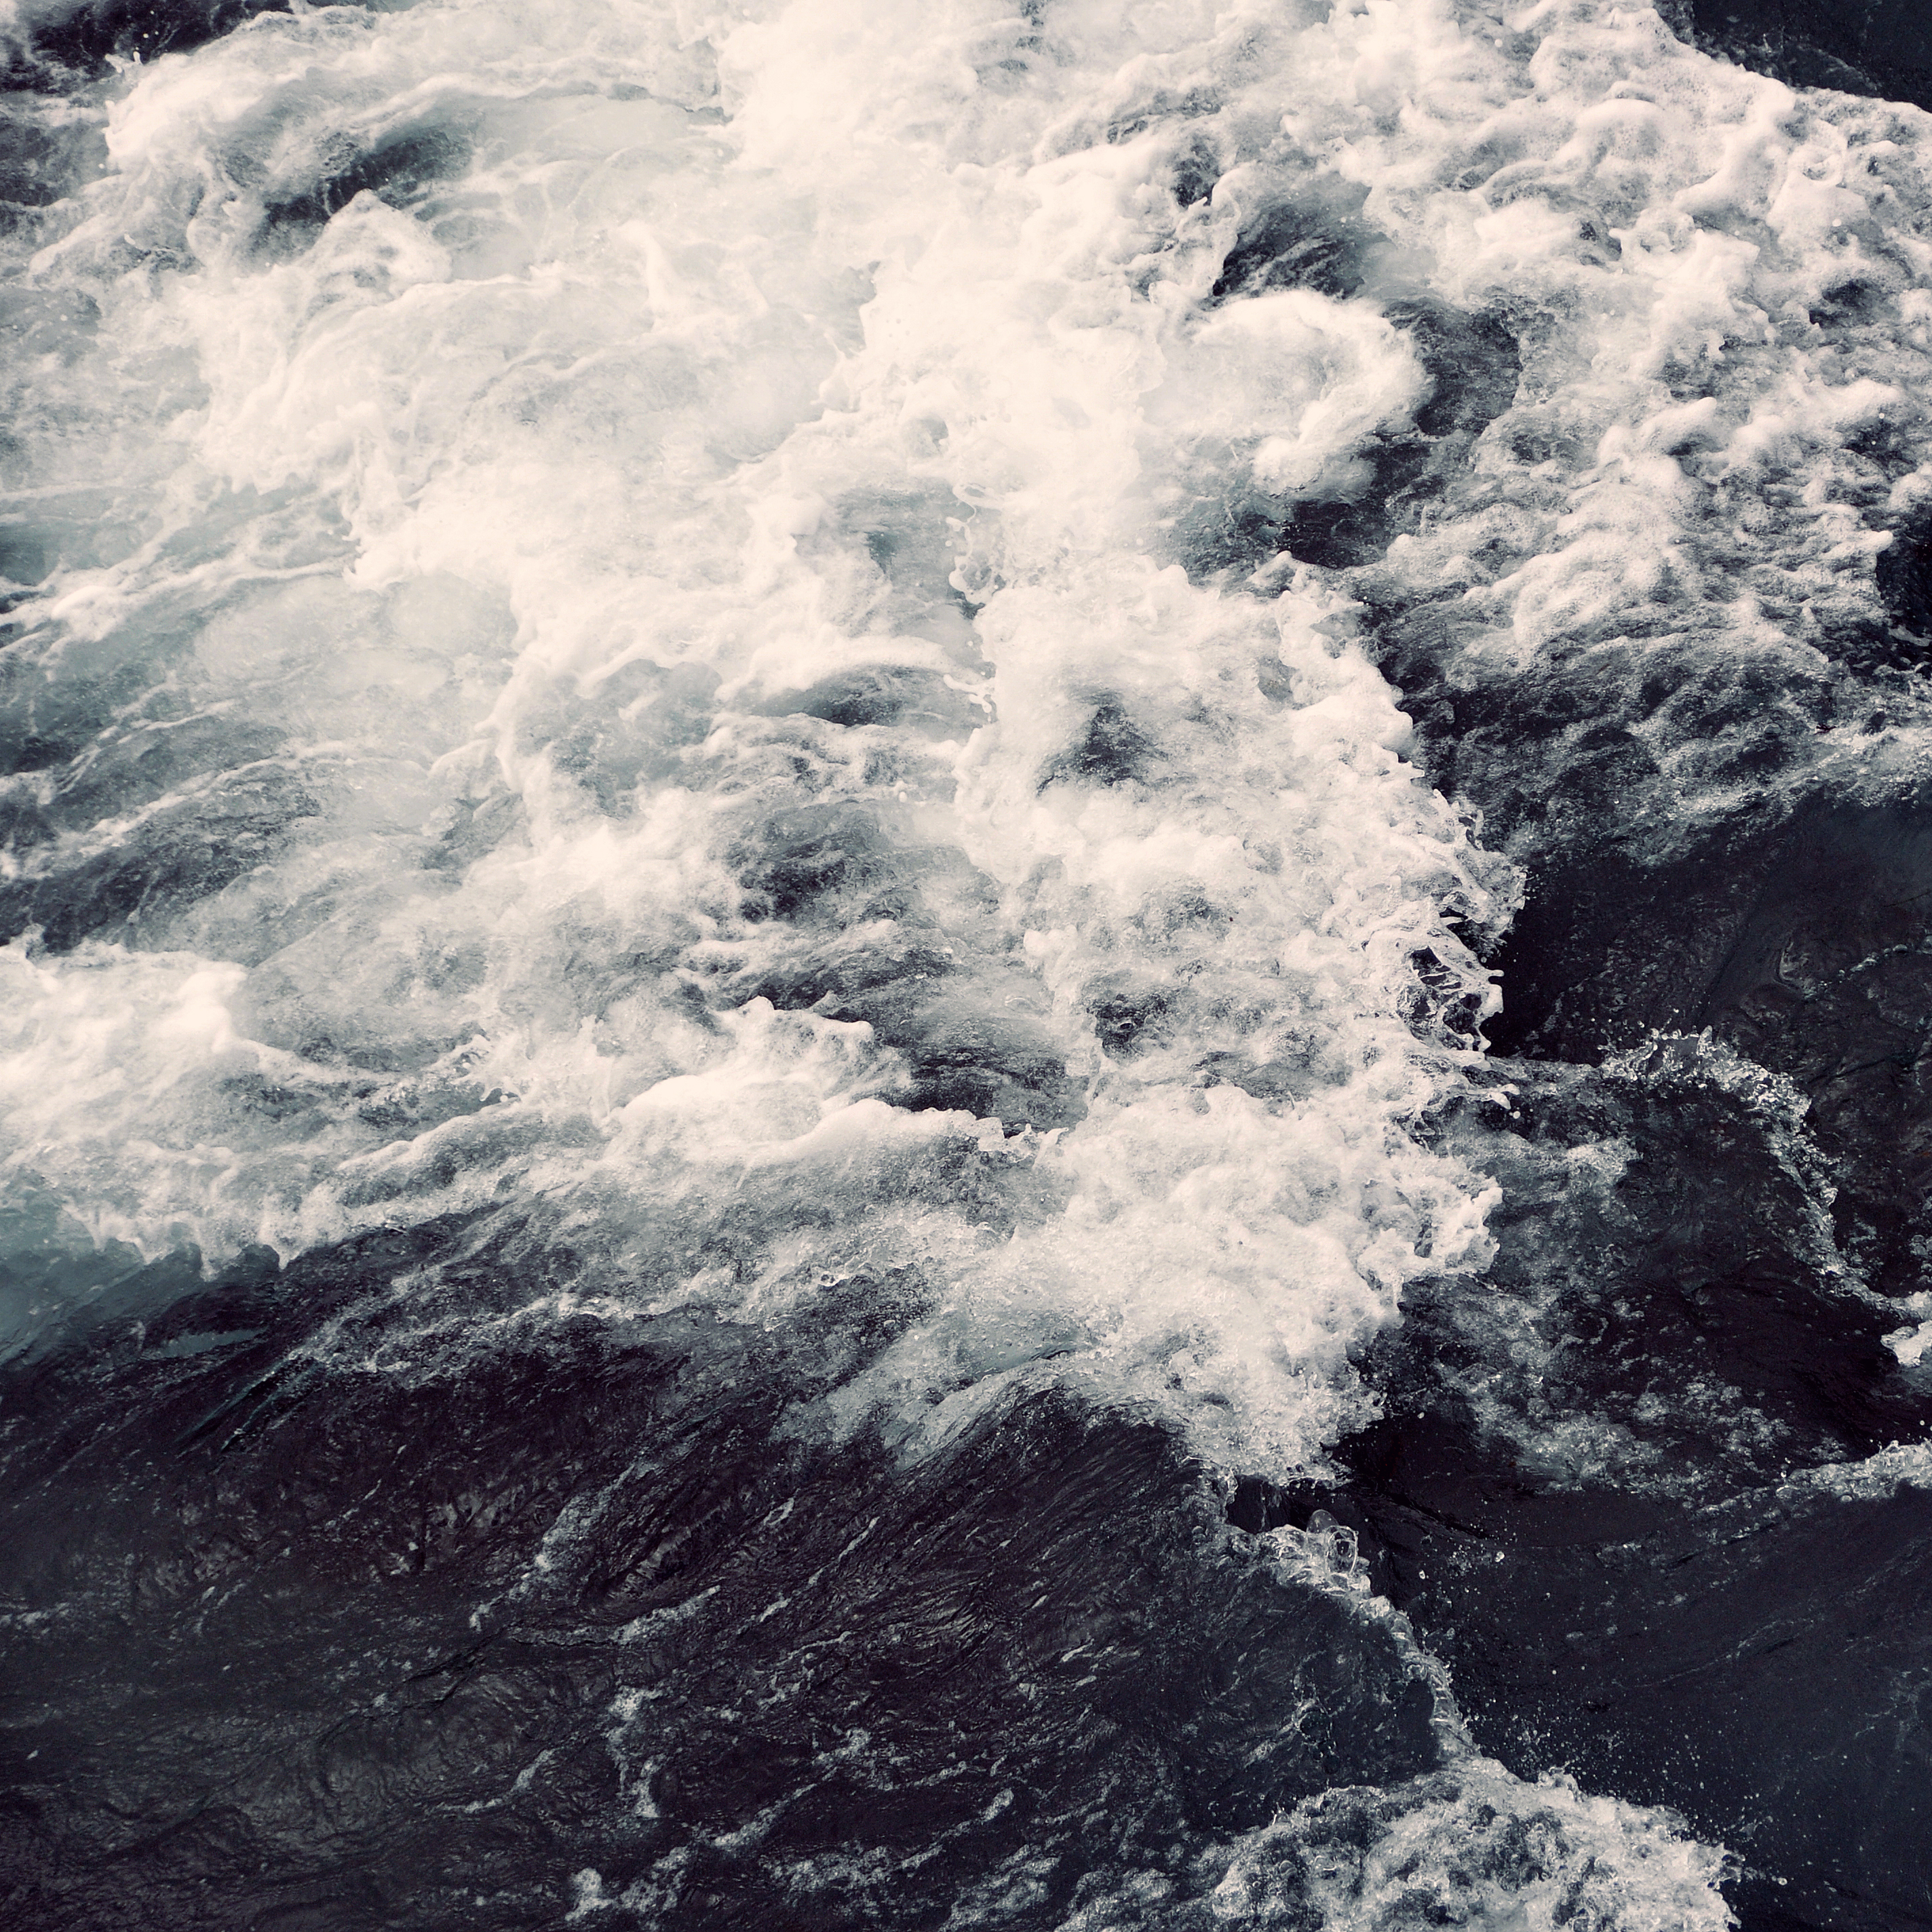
{"points": [[965, 968]]}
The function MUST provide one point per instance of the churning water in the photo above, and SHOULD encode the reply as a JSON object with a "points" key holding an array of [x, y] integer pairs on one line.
{"points": [[710, 685]]}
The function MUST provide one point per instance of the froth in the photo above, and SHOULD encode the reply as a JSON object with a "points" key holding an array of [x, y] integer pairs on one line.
{"points": [[715, 595], [688, 551]]}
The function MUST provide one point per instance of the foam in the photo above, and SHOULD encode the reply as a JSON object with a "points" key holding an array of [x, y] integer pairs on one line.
{"points": [[1476, 1844], [521, 502]]}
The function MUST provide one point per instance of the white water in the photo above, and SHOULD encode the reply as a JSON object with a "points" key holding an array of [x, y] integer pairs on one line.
{"points": [[500, 546], [594, 458]]}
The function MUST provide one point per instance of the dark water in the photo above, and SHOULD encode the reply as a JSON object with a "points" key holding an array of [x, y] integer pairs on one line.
{"points": [[966, 971], [1881, 47]]}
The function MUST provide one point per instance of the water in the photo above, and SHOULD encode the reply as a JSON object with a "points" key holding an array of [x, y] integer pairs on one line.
{"points": [[729, 668]]}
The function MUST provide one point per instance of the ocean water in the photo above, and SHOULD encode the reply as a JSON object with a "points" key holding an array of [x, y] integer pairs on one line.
{"points": [[788, 674]]}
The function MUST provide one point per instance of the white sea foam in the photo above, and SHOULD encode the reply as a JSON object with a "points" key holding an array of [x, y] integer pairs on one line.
{"points": [[681, 397], [1475, 1846], [720, 355], [1874, 1478]]}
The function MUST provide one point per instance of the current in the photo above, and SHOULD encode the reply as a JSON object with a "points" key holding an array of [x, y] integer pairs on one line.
{"points": [[963, 967]]}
